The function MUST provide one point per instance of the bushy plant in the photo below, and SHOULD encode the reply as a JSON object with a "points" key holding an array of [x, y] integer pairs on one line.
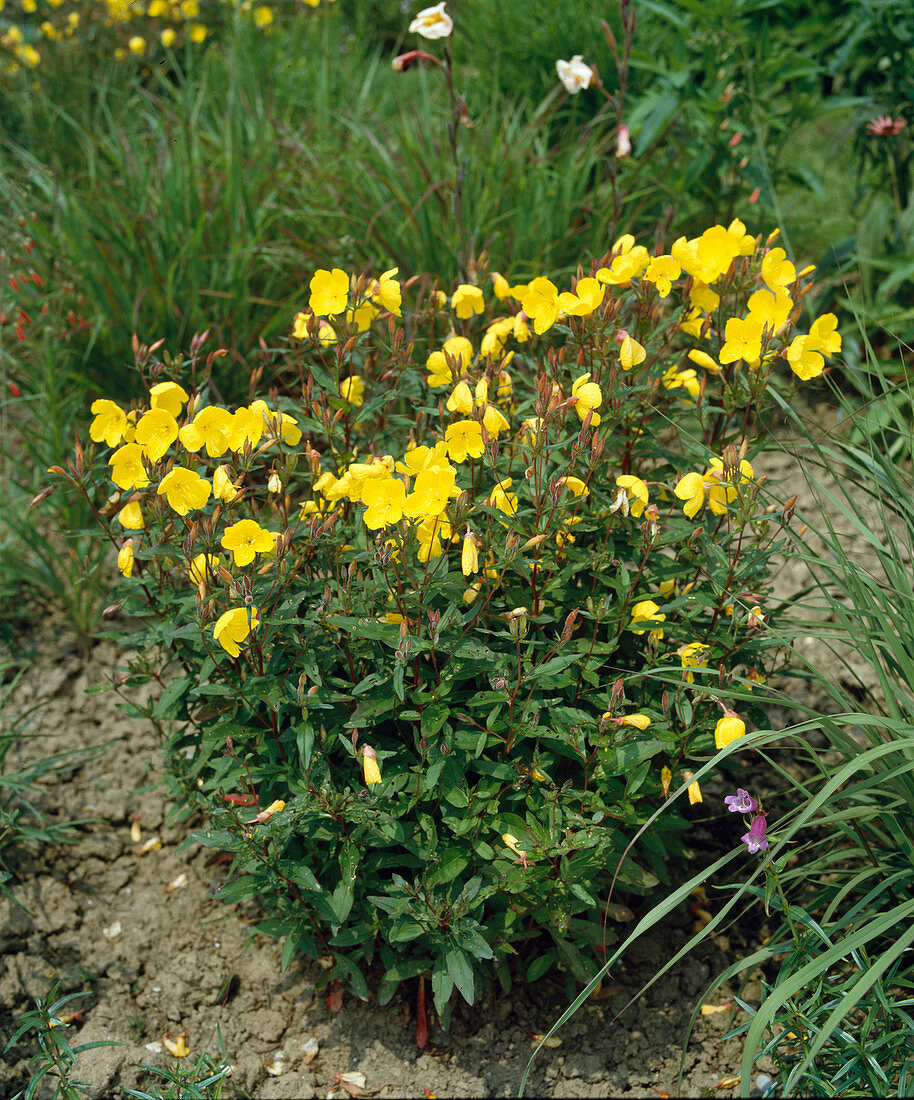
{"points": [[408, 612]]}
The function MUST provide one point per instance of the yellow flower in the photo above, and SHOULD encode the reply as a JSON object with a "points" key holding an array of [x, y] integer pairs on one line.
{"points": [[461, 400], [531, 428], [631, 353], [694, 655], [511, 842], [110, 423], [370, 769], [212, 428], [223, 487], [430, 532], [419, 458], [728, 729], [626, 266], [691, 489], [703, 296], [823, 335], [352, 389], [682, 379], [743, 340], [167, 37], [661, 271], [433, 488], [155, 433], [131, 516], [184, 490], [590, 292], [137, 44], [588, 396], [805, 361], [198, 33], [720, 493], [467, 300], [329, 292], [777, 270], [575, 485], [458, 348], [497, 333], [501, 499], [770, 307], [639, 721], [704, 360], [541, 303], [326, 333], [386, 292], [464, 440], [385, 498], [168, 396], [693, 791], [469, 554], [127, 469], [500, 285], [494, 421], [263, 16], [201, 567], [125, 558], [636, 490], [646, 611], [361, 316], [246, 539], [233, 626]]}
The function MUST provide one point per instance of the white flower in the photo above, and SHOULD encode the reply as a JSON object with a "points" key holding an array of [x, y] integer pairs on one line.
{"points": [[574, 74], [432, 22]]}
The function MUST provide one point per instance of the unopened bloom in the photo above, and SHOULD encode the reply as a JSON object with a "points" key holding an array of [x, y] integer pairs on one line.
{"points": [[469, 554], [233, 626], [728, 729], [631, 353], [756, 840], [639, 721], [370, 769], [223, 486], [511, 842], [575, 75], [623, 143], [125, 558], [201, 566], [694, 791], [740, 803], [386, 292], [432, 22], [131, 516]]}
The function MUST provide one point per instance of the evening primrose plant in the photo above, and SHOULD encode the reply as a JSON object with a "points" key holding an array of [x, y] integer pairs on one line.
{"points": [[441, 616]]}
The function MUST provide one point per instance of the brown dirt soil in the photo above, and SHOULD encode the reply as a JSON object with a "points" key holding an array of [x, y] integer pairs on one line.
{"points": [[151, 962]]}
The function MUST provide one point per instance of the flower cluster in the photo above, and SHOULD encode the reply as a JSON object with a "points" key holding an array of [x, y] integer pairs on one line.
{"points": [[406, 577], [756, 839], [134, 30]]}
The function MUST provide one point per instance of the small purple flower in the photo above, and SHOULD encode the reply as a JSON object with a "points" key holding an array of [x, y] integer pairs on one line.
{"points": [[755, 840], [741, 803]]}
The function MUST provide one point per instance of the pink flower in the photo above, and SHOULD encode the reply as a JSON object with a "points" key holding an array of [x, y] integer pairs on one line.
{"points": [[741, 803], [755, 840], [886, 126]]}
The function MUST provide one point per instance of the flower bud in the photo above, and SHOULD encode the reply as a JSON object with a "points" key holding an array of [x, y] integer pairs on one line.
{"points": [[370, 769]]}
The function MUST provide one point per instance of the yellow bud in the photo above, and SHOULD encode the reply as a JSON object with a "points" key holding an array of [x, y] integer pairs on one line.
{"points": [[370, 768]]}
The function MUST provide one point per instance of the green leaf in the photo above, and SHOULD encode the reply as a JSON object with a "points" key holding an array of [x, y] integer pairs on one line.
{"points": [[460, 970], [442, 984], [540, 966]]}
